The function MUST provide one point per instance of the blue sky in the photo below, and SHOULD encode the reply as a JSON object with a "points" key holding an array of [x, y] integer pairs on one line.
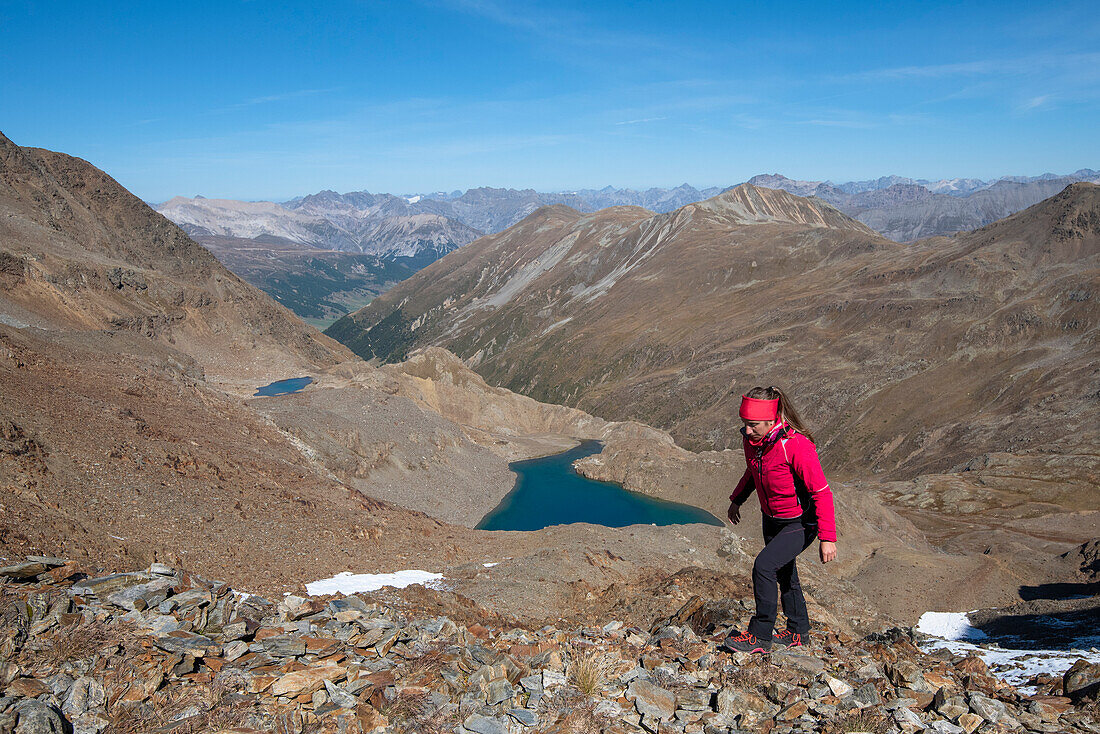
{"points": [[259, 100]]}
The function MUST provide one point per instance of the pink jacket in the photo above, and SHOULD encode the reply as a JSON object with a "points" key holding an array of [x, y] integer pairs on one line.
{"points": [[785, 469]]}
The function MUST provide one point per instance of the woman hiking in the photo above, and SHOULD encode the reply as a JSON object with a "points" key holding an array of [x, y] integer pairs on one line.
{"points": [[797, 507]]}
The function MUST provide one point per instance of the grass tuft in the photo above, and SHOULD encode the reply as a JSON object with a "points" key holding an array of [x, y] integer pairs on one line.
{"points": [[591, 672]]}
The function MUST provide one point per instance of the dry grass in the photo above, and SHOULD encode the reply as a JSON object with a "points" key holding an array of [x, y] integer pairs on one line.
{"points": [[581, 721], [81, 641], [213, 711], [591, 672], [754, 674], [431, 662], [862, 721], [406, 707], [436, 723]]}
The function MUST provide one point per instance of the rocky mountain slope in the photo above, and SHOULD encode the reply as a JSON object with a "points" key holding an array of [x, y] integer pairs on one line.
{"points": [[639, 316], [121, 446], [124, 447], [322, 255], [924, 369], [82, 254], [406, 233]]}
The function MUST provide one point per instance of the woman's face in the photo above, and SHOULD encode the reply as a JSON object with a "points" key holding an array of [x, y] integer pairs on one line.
{"points": [[757, 429]]}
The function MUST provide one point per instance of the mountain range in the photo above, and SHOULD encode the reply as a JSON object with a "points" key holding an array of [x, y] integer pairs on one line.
{"points": [[129, 434], [326, 254], [380, 224], [953, 377], [905, 210], [938, 358]]}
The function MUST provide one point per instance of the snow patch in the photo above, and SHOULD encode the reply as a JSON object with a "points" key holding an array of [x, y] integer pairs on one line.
{"points": [[949, 626], [952, 631], [352, 583], [413, 199], [490, 565]]}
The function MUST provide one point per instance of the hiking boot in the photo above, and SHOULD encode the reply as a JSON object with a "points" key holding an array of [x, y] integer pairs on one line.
{"points": [[745, 642], [790, 639]]}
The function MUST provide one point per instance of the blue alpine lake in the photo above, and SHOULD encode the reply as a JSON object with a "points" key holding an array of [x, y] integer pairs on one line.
{"points": [[283, 387], [549, 492]]}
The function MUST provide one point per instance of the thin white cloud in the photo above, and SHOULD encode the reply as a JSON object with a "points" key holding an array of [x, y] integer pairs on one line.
{"points": [[561, 27], [286, 95], [981, 67], [269, 98], [644, 119], [853, 124], [1036, 102]]}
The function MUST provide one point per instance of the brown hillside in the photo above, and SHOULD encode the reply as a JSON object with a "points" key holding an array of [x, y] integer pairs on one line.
{"points": [[81, 252], [954, 345], [124, 351]]}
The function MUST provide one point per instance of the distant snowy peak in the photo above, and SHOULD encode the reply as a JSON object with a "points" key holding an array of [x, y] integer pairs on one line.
{"points": [[381, 224], [954, 186], [246, 219]]}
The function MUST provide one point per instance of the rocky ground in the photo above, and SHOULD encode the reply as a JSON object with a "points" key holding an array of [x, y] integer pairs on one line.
{"points": [[162, 650]]}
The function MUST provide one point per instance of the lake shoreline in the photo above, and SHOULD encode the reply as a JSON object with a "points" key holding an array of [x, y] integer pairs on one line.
{"points": [[549, 488]]}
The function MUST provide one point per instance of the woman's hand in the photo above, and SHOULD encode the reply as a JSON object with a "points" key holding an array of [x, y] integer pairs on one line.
{"points": [[828, 551], [734, 513]]}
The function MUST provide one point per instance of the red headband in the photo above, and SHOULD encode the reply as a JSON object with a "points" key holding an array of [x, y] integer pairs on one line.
{"points": [[759, 410]]}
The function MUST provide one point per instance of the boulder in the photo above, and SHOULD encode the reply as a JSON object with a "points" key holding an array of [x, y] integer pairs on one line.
{"points": [[27, 688], [907, 720], [1082, 681], [803, 663], [308, 680], [969, 722], [866, 695], [141, 596], [651, 700], [839, 688], [485, 725], [35, 717], [752, 709], [86, 694], [188, 643], [990, 709], [23, 571]]}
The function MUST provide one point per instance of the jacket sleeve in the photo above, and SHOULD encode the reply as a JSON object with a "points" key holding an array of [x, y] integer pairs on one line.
{"points": [[744, 488], [805, 463]]}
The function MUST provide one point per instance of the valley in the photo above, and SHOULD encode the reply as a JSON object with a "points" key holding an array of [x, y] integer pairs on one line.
{"points": [[129, 357]]}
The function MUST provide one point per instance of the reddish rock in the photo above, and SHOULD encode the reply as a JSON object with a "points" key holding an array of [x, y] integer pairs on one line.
{"points": [[27, 688], [972, 664]]}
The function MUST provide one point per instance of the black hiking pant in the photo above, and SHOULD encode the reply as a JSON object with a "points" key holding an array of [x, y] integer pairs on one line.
{"points": [[774, 567]]}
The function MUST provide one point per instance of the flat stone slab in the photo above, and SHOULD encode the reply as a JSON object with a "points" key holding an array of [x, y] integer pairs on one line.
{"points": [[106, 585], [308, 680], [141, 596], [485, 725], [188, 643], [524, 716], [652, 700]]}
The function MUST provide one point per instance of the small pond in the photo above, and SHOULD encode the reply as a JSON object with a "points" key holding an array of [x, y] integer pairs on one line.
{"points": [[283, 387], [549, 492]]}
